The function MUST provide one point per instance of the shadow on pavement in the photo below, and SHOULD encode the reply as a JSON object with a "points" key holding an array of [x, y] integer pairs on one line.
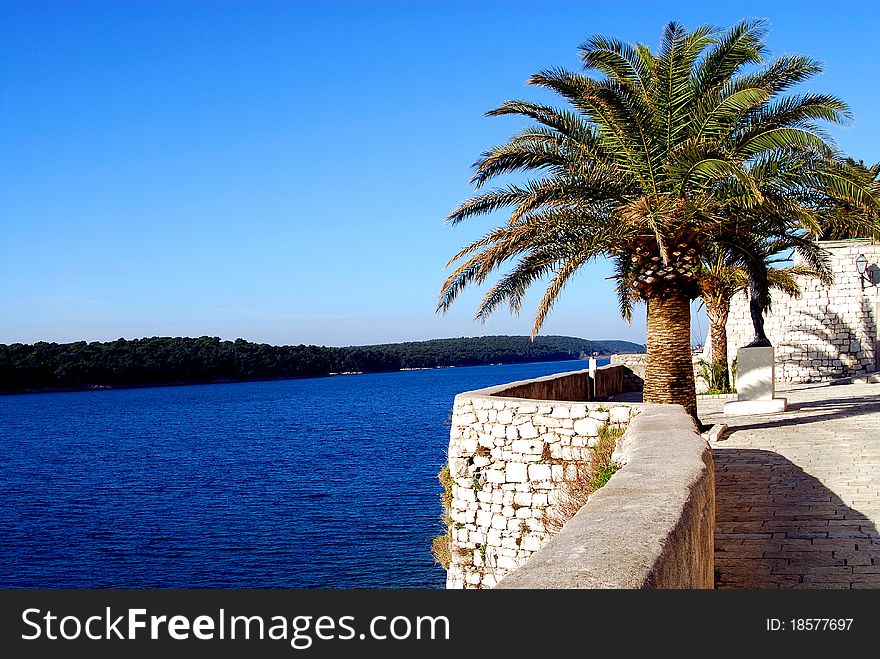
{"points": [[776, 526]]}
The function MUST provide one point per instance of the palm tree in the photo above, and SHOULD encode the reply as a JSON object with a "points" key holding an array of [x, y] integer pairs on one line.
{"points": [[726, 272], [646, 167]]}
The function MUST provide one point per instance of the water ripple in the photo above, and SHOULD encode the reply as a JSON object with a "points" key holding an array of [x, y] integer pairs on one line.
{"points": [[320, 483]]}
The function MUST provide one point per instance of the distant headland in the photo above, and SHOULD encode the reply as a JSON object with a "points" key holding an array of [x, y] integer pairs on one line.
{"points": [[157, 361]]}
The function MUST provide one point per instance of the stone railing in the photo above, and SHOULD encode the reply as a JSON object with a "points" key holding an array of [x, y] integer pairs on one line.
{"points": [[510, 458], [605, 382]]}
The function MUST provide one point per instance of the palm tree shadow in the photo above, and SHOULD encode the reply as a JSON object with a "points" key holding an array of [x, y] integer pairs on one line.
{"points": [[813, 335], [776, 526]]}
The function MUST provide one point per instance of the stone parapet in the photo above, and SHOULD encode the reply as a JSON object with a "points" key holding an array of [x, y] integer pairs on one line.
{"points": [[507, 460], [510, 459], [650, 526]]}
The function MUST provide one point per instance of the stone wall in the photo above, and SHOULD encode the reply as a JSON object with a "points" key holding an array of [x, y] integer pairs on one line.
{"points": [[831, 331], [633, 367], [606, 381], [576, 385], [652, 524], [634, 370], [509, 458]]}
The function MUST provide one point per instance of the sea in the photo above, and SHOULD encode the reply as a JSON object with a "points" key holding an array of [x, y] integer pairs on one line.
{"points": [[310, 483]]}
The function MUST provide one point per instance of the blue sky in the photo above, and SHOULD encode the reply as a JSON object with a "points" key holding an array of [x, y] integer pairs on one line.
{"points": [[279, 171]]}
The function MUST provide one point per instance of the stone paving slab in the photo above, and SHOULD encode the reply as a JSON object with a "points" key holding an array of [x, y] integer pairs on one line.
{"points": [[798, 492]]}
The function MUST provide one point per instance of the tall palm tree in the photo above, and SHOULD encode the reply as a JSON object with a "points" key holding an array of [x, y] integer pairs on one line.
{"points": [[843, 219], [645, 168]]}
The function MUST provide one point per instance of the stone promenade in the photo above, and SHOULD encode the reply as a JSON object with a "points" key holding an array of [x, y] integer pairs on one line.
{"points": [[798, 493]]}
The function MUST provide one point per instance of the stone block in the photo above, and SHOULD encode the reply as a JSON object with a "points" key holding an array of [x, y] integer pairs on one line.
{"points": [[496, 476], [530, 543], [507, 563], [587, 427], [523, 499], [499, 522], [465, 419], [528, 431], [539, 472], [483, 518], [516, 472], [561, 412], [527, 447], [577, 411]]}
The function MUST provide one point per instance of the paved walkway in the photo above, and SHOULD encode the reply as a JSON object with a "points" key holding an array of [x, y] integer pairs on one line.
{"points": [[798, 493]]}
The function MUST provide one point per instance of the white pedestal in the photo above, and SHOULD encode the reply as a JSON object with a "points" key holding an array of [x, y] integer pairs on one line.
{"points": [[756, 384]]}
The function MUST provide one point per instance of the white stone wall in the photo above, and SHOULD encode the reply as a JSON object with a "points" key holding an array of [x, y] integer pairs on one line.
{"points": [[831, 331], [508, 458]]}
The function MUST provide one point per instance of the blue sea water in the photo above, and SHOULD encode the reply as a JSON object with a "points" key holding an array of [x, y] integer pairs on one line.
{"points": [[313, 483]]}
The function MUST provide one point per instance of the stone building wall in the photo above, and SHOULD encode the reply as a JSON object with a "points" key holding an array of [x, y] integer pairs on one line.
{"points": [[509, 459], [831, 331]]}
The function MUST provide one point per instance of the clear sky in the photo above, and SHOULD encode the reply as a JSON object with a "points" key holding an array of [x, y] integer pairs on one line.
{"points": [[280, 171]]}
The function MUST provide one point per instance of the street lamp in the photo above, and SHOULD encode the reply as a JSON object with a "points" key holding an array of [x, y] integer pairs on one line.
{"points": [[864, 273]]}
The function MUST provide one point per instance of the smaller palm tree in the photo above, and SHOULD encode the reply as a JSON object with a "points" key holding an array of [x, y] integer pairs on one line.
{"points": [[727, 271]]}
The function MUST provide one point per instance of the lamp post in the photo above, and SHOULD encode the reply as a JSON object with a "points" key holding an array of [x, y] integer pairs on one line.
{"points": [[870, 275], [862, 267]]}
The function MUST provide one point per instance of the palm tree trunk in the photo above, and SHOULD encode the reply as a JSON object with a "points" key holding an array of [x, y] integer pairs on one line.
{"points": [[669, 371], [717, 311]]}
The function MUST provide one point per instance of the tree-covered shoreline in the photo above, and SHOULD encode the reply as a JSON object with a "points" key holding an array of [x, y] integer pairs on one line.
{"points": [[154, 361]]}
